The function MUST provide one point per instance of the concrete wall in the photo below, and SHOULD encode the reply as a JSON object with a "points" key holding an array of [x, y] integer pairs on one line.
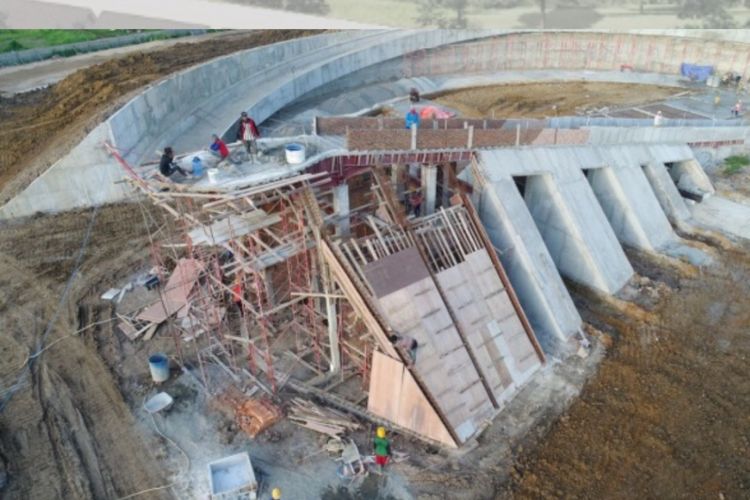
{"points": [[666, 192], [561, 228], [631, 207], [186, 108], [530, 268], [582, 51], [575, 230]]}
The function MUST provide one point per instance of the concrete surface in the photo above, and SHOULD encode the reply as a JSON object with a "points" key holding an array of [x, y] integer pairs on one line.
{"points": [[185, 108], [721, 214], [631, 207]]}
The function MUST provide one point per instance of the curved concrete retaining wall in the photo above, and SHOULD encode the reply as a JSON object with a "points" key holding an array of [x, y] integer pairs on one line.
{"points": [[184, 109]]}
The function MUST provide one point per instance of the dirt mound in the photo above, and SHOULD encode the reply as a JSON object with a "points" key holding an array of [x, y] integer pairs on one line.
{"points": [[666, 415], [39, 127], [536, 100]]}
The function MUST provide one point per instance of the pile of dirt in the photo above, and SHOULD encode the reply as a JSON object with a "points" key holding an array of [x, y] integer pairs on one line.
{"points": [[67, 433], [39, 127], [666, 415], [537, 100]]}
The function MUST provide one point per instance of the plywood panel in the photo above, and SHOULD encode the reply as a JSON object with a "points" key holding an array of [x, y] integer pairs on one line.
{"points": [[443, 364], [175, 293], [493, 329], [395, 396]]}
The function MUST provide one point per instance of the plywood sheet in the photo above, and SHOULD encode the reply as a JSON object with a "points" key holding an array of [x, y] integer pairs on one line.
{"points": [[175, 293], [443, 364], [395, 395], [395, 272], [494, 332]]}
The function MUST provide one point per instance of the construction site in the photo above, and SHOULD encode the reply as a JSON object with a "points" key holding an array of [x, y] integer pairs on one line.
{"points": [[520, 257]]}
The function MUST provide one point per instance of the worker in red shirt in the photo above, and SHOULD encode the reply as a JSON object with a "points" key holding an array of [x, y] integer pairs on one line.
{"points": [[248, 133], [219, 148]]}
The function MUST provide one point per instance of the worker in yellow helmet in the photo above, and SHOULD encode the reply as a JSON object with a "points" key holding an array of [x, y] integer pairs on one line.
{"points": [[382, 448], [276, 494]]}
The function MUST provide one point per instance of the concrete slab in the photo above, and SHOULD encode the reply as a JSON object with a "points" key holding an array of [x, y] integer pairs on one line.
{"points": [[631, 207], [723, 215], [530, 268]]}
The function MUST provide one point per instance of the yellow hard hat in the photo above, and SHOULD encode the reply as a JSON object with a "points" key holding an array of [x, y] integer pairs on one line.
{"points": [[276, 494], [381, 432]]}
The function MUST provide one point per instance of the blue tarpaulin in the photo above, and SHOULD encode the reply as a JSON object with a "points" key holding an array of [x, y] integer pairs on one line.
{"points": [[696, 72]]}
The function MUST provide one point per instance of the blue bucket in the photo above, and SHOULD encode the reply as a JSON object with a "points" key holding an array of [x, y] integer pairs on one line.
{"points": [[159, 366], [197, 167]]}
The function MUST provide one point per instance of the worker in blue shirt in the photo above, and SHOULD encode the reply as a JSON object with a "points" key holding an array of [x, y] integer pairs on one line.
{"points": [[412, 118]]}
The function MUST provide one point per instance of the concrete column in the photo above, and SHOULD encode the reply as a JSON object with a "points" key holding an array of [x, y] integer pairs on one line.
{"points": [[341, 209], [333, 334], [666, 192], [631, 207], [448, 182], [398, 180], [529, 265], [690, 177], [429, 188], [576, 231]]}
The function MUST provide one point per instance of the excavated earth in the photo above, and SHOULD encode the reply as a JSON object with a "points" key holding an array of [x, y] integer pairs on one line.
{"points": [[549, 99], [664, 416]]}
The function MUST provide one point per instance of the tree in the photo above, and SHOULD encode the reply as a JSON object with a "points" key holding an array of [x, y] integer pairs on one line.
{"points": [[434, 13], [713, 12], [543, 11]]}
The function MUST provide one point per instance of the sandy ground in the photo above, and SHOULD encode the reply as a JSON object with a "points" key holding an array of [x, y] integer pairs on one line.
{"points": [[537, 100]]}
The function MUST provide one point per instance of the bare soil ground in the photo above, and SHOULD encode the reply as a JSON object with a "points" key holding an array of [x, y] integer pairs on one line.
{"points": [[67, 432], [666, 416], [536, 100]]}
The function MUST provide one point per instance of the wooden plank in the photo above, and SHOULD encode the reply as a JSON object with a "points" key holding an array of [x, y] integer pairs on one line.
{"points": [[175, 292], [356, 299], [395, 395]]}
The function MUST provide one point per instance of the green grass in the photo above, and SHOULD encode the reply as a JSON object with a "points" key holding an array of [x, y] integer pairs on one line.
{"points": [[734, 164], [31, 39]]}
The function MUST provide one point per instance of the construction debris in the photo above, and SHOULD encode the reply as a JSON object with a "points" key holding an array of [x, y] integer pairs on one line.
{"points": [[256, 415], [324, 420]]}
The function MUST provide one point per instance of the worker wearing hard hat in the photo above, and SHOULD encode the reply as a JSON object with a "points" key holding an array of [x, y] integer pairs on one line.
{"points": [[276, 494], [382, 448]]}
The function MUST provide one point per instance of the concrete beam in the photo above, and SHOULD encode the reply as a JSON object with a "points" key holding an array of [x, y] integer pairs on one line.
{"points": [[429, 188], [576, 231], [666, 192], [631, 207]]}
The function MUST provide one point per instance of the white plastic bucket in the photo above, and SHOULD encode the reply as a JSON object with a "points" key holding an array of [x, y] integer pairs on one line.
{"points": [[295, 153], [212, 174], [159, 366]]}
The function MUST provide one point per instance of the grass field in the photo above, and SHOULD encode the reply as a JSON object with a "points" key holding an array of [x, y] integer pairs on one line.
{"points": [[30, 39]]}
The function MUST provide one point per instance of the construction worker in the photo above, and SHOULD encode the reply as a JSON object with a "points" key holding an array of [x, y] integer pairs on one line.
{"points": [[219, 148], [412, 118], [248, 133], [276, 494], [382, 448], [167, 165], [658, 119], [414, 95], [407, 345]]}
